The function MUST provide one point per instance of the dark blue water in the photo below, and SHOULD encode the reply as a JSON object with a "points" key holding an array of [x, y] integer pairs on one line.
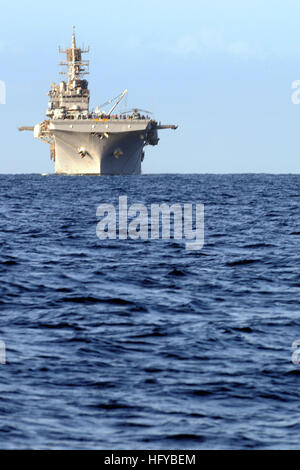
{"points": [[143, 344]]}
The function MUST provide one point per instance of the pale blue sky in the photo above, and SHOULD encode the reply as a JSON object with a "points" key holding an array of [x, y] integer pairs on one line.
{"points": [[221, 70]]}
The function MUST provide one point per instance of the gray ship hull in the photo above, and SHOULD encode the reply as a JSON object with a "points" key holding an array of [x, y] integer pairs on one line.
{"points": [[99, 148], [100, 158]]}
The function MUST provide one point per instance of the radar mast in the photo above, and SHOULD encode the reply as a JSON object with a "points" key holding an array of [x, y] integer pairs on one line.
{"points": [[70, 99]]}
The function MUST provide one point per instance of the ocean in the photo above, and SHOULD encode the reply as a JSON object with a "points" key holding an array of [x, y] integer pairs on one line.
{"points": [[143, 344]]}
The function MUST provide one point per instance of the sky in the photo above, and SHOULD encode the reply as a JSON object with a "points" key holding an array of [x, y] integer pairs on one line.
{"points": [[220, 70]]}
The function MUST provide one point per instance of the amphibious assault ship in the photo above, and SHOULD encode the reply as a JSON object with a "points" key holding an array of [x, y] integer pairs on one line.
{"points": [[92, 142]]}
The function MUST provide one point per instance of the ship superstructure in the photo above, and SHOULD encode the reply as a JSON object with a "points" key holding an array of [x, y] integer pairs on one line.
{"points": [[92, 142]]}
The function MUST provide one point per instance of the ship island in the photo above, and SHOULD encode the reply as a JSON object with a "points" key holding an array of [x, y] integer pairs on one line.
{"points": [[95, 142]]}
